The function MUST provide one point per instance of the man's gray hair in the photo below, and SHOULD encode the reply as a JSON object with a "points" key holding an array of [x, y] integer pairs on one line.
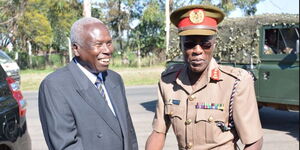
{"points": [[78, 28]]}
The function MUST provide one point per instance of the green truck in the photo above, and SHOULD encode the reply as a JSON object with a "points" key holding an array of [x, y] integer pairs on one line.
{"points": [[268, 47]]}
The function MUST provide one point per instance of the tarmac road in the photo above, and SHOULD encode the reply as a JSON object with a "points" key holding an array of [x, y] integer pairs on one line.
{"points": [[281, 128]]}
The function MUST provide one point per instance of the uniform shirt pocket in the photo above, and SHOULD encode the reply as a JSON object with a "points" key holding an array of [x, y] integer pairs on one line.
{"points": [[206, 123], [175, 114]]}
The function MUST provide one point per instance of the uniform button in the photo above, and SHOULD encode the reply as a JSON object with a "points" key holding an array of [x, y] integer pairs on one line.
{"points": [[189, 121], [192, 97], [189, 145], [99, 135], [210, 119]]}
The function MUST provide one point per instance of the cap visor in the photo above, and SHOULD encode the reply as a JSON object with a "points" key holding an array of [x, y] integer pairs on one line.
{"points": [[197, 32]]}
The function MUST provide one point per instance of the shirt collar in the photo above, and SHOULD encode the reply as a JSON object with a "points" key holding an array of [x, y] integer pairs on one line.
{"points": [[92, 77]]}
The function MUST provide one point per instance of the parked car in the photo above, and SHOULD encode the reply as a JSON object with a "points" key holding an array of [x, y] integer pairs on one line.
{"points": [[13, 129], [10, 66]]}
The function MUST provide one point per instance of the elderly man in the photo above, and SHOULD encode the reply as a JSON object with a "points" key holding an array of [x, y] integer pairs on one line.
{"points": [[83, 105], [209, 106]]}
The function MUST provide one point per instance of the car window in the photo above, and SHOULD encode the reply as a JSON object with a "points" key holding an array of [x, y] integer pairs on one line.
{"points": [[281, 41], [4, 58]]}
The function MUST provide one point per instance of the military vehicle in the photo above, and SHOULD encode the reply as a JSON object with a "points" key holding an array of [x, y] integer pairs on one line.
{"points": [[268, 47]]}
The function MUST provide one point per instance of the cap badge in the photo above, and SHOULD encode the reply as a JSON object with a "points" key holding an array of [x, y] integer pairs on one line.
{"points": [[196, 16]]}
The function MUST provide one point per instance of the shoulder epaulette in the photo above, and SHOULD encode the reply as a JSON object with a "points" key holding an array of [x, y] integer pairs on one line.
{"points": [[232, 71], [172, 69]]}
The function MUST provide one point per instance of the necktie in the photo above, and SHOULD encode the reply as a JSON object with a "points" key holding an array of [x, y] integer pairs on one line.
{"points": [[99, 83]]}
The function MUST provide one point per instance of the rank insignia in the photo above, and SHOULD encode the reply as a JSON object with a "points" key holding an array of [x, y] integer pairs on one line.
{"points": [[210, 106], [215, 74], [196, 16]]}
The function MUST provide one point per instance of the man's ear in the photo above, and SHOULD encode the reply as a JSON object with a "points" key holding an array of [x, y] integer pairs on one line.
{"points": [[75, 48]]}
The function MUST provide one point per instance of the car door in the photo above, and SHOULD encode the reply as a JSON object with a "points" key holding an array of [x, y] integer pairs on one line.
{"points": [[279, 68]]}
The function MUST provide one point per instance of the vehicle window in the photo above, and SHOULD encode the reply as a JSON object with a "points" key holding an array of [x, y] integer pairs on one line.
{"points": [[281, 41], [4, 58]]}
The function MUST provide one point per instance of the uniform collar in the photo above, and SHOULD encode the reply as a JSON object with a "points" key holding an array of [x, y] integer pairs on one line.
{"points": [[183, 80], [212, 72]]}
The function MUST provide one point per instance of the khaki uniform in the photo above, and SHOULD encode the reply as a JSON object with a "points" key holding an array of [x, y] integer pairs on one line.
{"points": [[191, 113]]}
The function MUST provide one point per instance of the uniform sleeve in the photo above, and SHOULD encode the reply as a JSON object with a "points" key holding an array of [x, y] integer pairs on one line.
{"points": [[58, 123], [245, 111], [161, 122]]}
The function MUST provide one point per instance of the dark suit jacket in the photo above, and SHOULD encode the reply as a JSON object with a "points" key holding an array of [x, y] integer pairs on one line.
{"points": [[74, 116]]}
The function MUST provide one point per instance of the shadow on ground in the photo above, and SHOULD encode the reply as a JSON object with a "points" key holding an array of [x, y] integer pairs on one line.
{"points": [[280, 120], [150, 105]]}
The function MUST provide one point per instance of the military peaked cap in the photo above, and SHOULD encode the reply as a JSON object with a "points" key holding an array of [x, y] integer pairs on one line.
{"points": [[197, 19]]}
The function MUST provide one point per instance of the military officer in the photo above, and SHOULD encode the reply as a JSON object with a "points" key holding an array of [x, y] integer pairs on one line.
{"points": [[209, 106]]}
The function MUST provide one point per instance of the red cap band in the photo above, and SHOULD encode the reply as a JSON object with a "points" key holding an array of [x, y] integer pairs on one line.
{"points": [[207, 21]]}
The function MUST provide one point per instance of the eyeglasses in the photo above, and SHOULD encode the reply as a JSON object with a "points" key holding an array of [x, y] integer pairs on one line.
{"points": [[191, 45]]}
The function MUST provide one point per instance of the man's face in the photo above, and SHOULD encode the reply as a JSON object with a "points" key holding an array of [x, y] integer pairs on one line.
{"points": [[95, 50], [197, 50]]}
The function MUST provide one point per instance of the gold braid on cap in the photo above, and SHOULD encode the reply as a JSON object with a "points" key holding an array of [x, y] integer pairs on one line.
{"points": [[197, 27]]}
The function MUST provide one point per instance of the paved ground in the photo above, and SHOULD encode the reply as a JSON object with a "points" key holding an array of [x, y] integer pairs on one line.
{"points": [[281, 128]]}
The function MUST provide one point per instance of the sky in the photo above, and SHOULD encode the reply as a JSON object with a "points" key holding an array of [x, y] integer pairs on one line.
{"points": [[272, 6]]}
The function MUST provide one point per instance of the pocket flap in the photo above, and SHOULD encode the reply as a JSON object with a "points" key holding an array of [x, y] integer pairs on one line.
{"points": [[210, 115], [174, 111]]}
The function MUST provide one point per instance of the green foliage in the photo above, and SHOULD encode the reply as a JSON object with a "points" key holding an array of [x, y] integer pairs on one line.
{"points": [[239, 38], [248, 6], [39, 62], [35, 27], [62, 14], [23, 60], [55, 60], [149, 35], [45, 23], [10, 12]]}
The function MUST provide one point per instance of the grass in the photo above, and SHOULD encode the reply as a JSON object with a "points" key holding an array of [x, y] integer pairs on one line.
{"points": [[31, 79]]}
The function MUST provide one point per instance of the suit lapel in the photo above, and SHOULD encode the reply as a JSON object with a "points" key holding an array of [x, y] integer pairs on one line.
{"points": [[115, 94], [92, 97]]}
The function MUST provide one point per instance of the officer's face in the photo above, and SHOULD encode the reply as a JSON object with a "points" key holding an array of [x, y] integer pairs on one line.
{"points": [[95, 50], [197, 50]]}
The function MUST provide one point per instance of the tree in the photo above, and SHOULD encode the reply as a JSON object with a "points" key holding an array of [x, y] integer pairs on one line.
{"points": [[61, 15], [150, 31], [118, 17], [10, 12], [35, 27]]}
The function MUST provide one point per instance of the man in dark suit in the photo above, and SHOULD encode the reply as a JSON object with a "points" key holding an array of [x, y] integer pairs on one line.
{"points": [[83, 105]]}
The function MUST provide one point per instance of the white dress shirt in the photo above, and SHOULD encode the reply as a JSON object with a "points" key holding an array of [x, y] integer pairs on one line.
{"points": [[93, 79]]}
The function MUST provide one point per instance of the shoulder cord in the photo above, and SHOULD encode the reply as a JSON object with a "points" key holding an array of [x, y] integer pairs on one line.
{"points": [[231, 122]]}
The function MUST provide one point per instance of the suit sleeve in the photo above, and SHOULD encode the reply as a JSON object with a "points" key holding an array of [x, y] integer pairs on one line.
{"points": [[57, 120], [132, 139], [245, 111]]}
